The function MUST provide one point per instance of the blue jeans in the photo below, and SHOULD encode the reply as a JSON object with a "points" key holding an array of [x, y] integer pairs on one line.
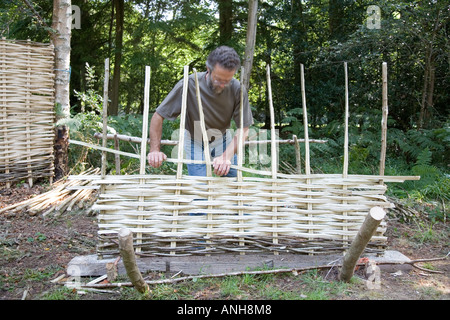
{"points": [[195, 151]]}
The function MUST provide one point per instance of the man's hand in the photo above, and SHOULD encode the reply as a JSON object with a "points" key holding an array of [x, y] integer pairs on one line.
{"points": [[221, 166], [156, 158]]}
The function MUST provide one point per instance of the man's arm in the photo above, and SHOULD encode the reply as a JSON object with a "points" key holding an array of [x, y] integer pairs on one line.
{"points": [[222, 163], [156, 157]]}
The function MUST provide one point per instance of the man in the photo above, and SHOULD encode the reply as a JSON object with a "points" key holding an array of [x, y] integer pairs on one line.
{"points": [[220, 95]]}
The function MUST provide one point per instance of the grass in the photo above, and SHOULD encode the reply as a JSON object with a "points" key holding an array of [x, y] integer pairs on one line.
{"points": [[308, 286]]}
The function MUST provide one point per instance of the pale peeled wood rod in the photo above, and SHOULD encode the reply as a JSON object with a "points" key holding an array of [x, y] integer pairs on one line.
{"points": [[345, 167], [105, 126], [273, 151], [345, 170], [182, 122], [28, 117], [203, 128], [166, 142], [384, 119], [143, 155], [305, 121], [173, 244], [241, 151], [307, 154], [116, 156], [105, 116], [129, 260], [298, 158], [359, 243], [145, 121], [206, 151]]}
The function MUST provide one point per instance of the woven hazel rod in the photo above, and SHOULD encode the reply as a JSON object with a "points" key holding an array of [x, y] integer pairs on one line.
{"points": [[241, 152], [144, 146], [384, 119], [273, 148], [105, 128], [203, 128], [205, 142], [305, 121], [126, 138], [305, 126], [105, 115], [173, 244], [345, 169], [27, 122]]}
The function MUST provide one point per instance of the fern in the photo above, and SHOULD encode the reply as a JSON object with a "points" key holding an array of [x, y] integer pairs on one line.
{"points": [[424, 158]]}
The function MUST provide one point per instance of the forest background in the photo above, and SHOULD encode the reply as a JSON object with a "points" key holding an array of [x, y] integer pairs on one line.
{"points": [[411, 36]]}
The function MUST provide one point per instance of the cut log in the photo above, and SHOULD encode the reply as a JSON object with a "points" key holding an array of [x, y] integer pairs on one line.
{"points": [[129, 260], [360, 242]]}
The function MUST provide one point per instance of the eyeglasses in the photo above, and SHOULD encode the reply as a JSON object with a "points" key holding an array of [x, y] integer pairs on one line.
{"points": [[219, 82], [224, 83]]}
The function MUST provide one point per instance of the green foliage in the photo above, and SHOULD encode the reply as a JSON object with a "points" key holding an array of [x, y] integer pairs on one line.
{"points": [[90, 100]]}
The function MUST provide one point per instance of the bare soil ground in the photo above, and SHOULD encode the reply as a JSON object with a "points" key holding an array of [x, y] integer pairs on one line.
{"points": [[35, 249]]}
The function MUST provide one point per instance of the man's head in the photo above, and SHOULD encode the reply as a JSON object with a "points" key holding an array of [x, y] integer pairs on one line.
{"points": [[222, 64]]}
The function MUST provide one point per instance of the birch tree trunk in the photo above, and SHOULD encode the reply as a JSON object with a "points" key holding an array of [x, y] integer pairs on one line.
{"points": [[62, 26]]}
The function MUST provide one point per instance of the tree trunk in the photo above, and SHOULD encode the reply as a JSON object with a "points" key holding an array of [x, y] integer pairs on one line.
{"points": [[360, 242], [225, 21], [62, 24], [300, 42], [429, 74], [428, 87], [335, 19], [250, 41], [61, 150], [114, 106]]}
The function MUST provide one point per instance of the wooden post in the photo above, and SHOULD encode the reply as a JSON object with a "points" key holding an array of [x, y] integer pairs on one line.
{"points": [[173, 244], [298, 158], [359, 243], [240, 154], [116, 156], [273, 152], [207, 155], [305, 122], [384, 120], [143, 156], [129, 260], [307, 154], [105, 116], [345, 169]]}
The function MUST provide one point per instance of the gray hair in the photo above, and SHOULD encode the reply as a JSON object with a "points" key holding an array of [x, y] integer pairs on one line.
{"points": [[225, 57]]}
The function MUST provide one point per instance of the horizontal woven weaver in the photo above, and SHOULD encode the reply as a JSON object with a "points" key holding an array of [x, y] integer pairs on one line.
{"points": [[313, 214]]}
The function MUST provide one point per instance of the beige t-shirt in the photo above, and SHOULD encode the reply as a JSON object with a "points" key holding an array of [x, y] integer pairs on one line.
{"points": [[218, 109]]}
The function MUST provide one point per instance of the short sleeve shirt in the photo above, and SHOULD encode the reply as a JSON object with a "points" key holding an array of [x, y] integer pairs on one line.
{"points": [[218, 109]]}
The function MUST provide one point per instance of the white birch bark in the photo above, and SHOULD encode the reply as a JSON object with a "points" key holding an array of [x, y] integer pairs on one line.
{"points": [[62, 24]]}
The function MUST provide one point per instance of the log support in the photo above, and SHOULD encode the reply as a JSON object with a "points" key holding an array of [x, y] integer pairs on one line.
{"points": [[359, 243], [129, 260]]}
